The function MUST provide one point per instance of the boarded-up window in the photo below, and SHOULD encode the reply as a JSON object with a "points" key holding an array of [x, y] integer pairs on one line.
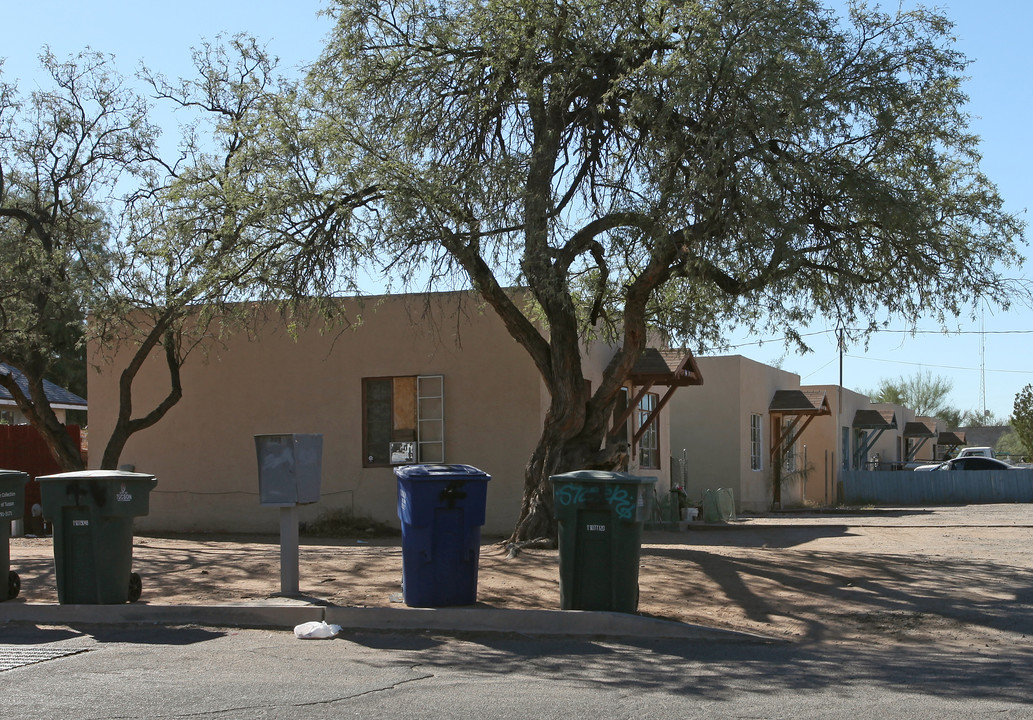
{"points": [[403, 420]]}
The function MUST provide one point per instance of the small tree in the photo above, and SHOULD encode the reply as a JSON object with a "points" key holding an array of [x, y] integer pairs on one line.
{"points": [[162, 267], [922, 392], [1022, 416], [63, 151]]}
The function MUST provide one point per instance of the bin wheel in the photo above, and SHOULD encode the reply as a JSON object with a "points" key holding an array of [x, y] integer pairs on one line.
{"points": [[14, 585], [135, 587]]}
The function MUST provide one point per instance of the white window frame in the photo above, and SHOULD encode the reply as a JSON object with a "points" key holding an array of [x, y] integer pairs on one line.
{"points": [[430, 417], [649, 443], [756, 442]]}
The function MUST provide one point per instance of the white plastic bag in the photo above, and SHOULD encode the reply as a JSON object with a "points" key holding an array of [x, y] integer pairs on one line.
{"points": [[316, 630]]}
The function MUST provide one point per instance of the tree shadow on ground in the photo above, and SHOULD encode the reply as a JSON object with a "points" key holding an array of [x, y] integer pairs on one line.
{"points": [[715, 672], [836, 595]]}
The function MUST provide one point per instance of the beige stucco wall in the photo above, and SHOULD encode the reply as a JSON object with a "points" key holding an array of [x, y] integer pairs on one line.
{"points": [[824, 440], [203, 451], [267, 382], [823, 445], [712, 424]]}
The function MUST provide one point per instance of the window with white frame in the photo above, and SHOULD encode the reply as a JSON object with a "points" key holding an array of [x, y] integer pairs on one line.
{"points": [[649, 443], [756, 446]]}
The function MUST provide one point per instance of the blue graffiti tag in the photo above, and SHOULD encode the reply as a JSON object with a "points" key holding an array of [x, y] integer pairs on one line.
{"points": [[622, 501], [574, 494]]}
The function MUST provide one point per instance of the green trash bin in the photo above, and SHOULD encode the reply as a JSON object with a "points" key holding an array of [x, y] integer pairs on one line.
{"points": [[92, 515], [12, 507], [600, 516]]}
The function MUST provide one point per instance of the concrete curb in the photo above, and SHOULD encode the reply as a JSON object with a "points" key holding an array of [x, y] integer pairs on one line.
{"points": [[285, 616], [529, 622], [256, 616]]}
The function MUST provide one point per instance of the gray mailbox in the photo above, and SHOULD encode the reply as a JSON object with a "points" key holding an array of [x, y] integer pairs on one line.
{"points": [[289, 468], [289, 472]]}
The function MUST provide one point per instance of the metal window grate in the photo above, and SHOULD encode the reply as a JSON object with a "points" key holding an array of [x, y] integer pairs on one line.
{"points": [[16, 656]]}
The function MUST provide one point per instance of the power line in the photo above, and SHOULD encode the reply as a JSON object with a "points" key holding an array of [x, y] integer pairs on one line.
{"points": [[939, 367], [951, 333]]}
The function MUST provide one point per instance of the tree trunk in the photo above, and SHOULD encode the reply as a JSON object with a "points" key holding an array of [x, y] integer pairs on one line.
{"points": [[36, 408], [125, 424], [559, 452]]}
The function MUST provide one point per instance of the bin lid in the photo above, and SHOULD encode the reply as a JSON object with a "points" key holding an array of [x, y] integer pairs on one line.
{"points": [[440, 472], [96, 475], [603, 476], [13, 474]]}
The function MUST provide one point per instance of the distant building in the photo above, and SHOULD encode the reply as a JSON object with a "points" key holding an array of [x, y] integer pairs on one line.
{"points": [[61, 400]]}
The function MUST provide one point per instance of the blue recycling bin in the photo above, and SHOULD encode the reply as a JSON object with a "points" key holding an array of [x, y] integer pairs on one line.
{"points": [[441, 508]]}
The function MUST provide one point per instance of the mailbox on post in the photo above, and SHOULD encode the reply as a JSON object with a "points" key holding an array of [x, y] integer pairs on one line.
{"points": [[290, 468]]}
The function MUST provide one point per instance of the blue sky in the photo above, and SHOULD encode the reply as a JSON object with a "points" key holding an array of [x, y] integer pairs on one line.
{"points": [[992, 33]]}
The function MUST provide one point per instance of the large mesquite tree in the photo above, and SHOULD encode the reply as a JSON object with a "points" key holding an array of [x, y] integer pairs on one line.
{"points": [[676, 164]]}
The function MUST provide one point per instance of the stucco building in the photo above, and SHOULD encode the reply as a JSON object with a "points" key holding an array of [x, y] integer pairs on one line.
{"points": [[420, 378], [751, 423]]}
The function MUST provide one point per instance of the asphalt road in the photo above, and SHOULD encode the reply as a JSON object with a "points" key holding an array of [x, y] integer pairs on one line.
{"points": [[154, 672], [979, 664]]}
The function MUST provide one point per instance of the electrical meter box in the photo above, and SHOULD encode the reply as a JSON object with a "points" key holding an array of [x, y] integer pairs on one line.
{"points": [[290, 468]]}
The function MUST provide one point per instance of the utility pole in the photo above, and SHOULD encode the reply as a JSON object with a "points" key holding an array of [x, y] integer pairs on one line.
{"points": [[982, 367], [838, 433]]}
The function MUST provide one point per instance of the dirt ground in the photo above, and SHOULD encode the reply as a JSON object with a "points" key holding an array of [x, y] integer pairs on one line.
{"points": [[958, 577]]}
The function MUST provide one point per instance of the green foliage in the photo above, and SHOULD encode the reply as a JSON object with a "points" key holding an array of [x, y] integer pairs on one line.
{"points": [[158, 254], [685, 166], [1022, 416], [766, 159], [65, 149], [952, 417], [955, 418], [924, 393], [1011, 445]]}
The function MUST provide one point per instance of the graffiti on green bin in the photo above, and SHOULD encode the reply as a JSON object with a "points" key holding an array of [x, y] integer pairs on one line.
{"points": [[620, 499]]}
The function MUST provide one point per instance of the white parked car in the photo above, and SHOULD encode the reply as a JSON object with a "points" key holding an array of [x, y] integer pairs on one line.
{"points": [[974, 462], [977, 452]]}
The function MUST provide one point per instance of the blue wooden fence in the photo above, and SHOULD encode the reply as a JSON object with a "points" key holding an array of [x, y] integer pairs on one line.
{"points": [[955, 487]]}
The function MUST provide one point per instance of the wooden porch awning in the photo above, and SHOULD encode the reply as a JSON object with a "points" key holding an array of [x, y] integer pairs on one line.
{"points": [[673, 368], [670, 368], [878, 422], [800, 404], [952, 438], [871, 419], [921, 428], [918, 432]]}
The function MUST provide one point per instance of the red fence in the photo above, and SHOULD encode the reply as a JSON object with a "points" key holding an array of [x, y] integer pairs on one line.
{"points": [[23, 448]]}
